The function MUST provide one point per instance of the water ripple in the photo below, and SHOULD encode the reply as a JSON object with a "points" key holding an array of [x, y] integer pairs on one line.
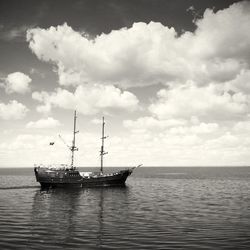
{"points": [[173, 211]]}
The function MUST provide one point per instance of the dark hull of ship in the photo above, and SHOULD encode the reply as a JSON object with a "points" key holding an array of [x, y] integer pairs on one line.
{"points": [[72, 179]]}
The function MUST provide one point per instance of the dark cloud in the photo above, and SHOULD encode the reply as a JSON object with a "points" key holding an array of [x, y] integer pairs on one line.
{"points": [[97, 16], [17, 34]]}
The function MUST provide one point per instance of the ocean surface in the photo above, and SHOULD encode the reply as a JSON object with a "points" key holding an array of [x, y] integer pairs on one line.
{"points": [[160, 208]]}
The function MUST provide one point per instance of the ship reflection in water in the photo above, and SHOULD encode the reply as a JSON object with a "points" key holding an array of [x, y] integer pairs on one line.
{"points": [[77, 217]]}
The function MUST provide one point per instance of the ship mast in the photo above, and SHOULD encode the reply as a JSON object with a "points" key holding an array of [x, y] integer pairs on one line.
{"points": [[102, 152], [73, 148]]}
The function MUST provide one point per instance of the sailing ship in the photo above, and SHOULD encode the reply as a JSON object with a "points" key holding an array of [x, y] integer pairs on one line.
{"points": [[69, 176]]}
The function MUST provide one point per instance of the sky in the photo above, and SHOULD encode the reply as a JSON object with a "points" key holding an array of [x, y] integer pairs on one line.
{"points": [[171, 78]]}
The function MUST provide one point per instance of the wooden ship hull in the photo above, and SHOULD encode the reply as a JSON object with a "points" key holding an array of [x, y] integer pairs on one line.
{"points": [[69, 178]]}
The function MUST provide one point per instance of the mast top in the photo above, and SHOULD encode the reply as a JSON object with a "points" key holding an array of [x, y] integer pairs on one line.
{"points": [[73, 148]]}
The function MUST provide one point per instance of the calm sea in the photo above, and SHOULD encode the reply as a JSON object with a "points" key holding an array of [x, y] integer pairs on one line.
{"points": [[161, 208]]}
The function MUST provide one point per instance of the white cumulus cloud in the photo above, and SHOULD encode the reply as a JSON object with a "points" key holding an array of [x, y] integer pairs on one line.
{"points": [[210, 103], [12, 110], [17, 82], [50, 122], [88, 99], [148, 122], [202, 128], [150, 53]]}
